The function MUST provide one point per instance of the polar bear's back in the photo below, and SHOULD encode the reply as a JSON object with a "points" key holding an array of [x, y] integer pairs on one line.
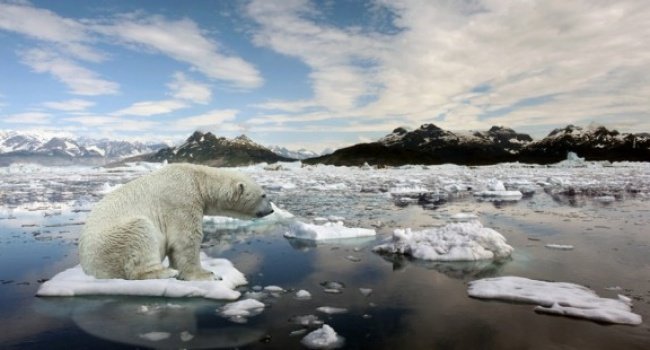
{"points": [[153, 196]]}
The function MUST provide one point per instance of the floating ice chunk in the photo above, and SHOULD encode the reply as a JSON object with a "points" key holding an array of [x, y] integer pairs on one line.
{"points": [[559, 246], [240, 310], [500, 195], [323, 338], [497, 190], [277, 215], [330, 310], [306, 320], [274, 289], [496, 186], [404, 189], [605, 199], [558, 298], [327, 231], [155, 336], [330, 187], [303, 295], [462, 241], [463, 217], [332, 285], [186, 336], [365, 291], [74, 282], [280, 186]]}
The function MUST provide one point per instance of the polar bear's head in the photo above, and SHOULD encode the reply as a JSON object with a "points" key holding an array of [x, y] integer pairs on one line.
{"points": [[250, 199], [236, 195]]}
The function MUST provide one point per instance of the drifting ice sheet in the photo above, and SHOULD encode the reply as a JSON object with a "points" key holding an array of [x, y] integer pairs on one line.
{"points": [[461, 241], [327, 231], [74, 282], [557, 298]]}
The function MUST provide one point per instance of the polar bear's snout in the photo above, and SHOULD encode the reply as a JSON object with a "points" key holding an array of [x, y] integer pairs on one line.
{"points": [[261, 214], [264, 207]]}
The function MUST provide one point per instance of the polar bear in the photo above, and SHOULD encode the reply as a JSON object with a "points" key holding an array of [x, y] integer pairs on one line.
{"points": [[131, 230]]}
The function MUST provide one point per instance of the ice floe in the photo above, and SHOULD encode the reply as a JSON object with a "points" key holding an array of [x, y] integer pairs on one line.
{"points": [[303, 295], [327, 231], [331, 310], [240, 311], [496, 190], [155, 336], [556, 298], [460, 241], [74, 282], [306, 320], [323, 338], [559, 246]]}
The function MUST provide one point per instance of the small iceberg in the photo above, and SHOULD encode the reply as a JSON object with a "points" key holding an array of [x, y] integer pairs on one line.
{"points": [[74, 282], [323, 338], [239, 311], [557, 298], [327, 231], [460, 241], [497, 191]]}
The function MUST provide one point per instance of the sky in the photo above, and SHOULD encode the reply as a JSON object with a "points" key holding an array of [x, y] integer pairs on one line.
{"points": [[321, 74]]}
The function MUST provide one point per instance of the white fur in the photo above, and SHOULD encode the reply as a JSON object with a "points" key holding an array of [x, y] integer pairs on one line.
{"points": [[131, 230]]}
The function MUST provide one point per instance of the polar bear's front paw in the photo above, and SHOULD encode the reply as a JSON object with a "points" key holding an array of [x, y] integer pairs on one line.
{"points": [[197, 275]]}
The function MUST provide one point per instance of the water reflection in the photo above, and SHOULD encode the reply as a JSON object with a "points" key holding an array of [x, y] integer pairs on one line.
{"points": [[158, 323], [463, 270]]}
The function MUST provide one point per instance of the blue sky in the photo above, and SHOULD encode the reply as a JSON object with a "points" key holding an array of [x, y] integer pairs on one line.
{"points": [[319, 74]]}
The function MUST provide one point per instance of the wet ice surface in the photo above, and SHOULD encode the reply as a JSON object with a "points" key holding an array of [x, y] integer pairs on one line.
{"points": [[556, 298], [390, 302], [74, 282]]}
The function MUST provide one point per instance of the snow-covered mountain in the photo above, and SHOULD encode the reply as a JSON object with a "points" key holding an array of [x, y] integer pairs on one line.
{"points": [[44, 148], [208, 149], [430, 144], [299, 154]]}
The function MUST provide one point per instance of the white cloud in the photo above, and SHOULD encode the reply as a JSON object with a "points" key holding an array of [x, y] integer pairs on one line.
{"points": [[73, 105], [110, 124], [184, 88], [468, 64], [28, 118], [149, 108], [335, 55], [79, 80], [218, 118], [184, 41], [70, 35]]}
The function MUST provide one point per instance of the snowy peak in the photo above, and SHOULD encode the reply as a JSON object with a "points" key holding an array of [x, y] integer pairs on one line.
{"points": [[40, 147], [299, 154], [431, 137], [208, 149], [430, 144]]}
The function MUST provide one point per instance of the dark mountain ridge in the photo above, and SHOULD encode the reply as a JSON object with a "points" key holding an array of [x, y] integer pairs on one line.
{"points": [[430, 144]]}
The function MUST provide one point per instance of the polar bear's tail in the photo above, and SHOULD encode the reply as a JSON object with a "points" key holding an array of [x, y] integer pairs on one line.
{"points": [[130, 249]]}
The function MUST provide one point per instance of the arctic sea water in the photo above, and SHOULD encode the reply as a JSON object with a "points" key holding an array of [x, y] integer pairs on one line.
{"points": [[308, 286]]}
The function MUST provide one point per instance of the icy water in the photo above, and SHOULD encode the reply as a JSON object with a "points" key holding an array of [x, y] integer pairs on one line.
{"points": [[602, 211]]}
